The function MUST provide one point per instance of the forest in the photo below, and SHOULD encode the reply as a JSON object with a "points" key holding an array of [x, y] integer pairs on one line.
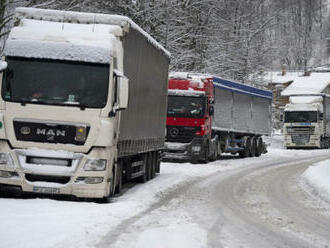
{"points": [[235, 39]]}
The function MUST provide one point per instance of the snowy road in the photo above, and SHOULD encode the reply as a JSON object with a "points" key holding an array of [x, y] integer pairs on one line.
{"points": [[261, 205], [253, 202]]}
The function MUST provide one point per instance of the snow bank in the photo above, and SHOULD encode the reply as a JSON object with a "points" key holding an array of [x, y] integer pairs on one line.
{"points": [[317, 177]]}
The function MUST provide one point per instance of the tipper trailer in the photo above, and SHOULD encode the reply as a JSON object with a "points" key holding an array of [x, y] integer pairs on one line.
{"points": [[208, 116], [83, 104], [307, 121]]}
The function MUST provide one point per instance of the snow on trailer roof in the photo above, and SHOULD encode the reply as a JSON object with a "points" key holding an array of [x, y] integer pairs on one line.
{"points": [[85, 18], [241, 88], [315, 83]]}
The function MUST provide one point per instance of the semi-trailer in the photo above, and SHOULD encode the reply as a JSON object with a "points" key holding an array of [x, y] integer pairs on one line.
{"points": [[208, 116], [307, 121], [83, 104]]}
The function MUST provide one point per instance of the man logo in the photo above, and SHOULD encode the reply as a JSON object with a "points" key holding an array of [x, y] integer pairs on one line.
{"points": [[25, 130]]}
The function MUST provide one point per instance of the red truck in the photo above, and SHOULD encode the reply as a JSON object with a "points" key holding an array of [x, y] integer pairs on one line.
{"points": [[207, 116]]}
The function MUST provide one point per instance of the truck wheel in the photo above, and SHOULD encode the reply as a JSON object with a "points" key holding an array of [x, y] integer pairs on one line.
{"points": [[259, 147], [218, 149], [153, 165], [214, 155], [253, 150], [119, 176], [149, 166], [108, 198], [158, 162]]}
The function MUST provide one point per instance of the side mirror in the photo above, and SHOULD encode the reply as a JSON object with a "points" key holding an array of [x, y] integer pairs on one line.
{"points": [[123, 94], [321, 116], [3, 65], [123, 90], [211, 110]]}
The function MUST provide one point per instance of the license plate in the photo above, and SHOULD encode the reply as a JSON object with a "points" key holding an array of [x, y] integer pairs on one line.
{"points": [[46, 190]]}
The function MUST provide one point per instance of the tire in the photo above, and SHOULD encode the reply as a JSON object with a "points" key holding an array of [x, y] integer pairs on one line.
{"points": [[214, 155], [253, 149], [153, 164], [158, 162], [149, 164], [219, 151], [259, 149], [119, 176], [108, 198], [247, 148]]}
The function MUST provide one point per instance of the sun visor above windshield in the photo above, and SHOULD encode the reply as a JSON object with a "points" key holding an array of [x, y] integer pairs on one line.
{"points": [[60, 45]]}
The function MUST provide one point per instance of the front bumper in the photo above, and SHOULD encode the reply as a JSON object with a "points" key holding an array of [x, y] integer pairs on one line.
{"points": [[302, 141], [193, 151], [50, 178]]}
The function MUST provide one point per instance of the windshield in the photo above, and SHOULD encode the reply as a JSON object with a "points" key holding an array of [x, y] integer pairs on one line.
{"points": [[301, 116], [55, 82], [186, 106]]}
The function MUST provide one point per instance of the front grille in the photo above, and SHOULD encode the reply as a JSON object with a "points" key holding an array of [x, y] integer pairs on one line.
{"points": [[300, 139], [49, 161], [47, 132], [181, 133], [300, 130], [46, 178]]}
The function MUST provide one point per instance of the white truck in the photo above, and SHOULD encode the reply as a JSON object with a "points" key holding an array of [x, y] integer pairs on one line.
{"points": [[307, 121], [83, 104]]}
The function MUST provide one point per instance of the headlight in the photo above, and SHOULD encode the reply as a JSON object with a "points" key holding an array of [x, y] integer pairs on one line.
{"points": [[95, 165], [5, 159], [89, 180], [196, 148], [8, 174]]}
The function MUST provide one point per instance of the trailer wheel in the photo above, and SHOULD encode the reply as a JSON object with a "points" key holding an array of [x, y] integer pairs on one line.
{"points": [[253, 149], [158, 162], [259, 147], [218, 147], [247, 148]]}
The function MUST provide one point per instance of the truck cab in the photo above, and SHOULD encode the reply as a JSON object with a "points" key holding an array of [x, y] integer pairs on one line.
{"points": [[304, 122], [189, 116], [66, 125]]}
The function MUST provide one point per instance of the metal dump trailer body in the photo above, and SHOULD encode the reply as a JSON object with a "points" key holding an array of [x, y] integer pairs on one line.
{"points": [[241, 109]]}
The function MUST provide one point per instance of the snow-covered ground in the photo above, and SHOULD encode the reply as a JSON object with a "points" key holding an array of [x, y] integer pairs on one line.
{"points": [[60, 223], [317, 179]]}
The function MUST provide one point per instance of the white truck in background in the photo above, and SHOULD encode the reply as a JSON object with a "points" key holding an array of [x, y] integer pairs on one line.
{"points": [[83, 104], [307, 121]]}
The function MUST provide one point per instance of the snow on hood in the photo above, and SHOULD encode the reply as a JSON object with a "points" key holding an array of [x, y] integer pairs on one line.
{"points": [[63, 41], [315, 83], [85, 18]]}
